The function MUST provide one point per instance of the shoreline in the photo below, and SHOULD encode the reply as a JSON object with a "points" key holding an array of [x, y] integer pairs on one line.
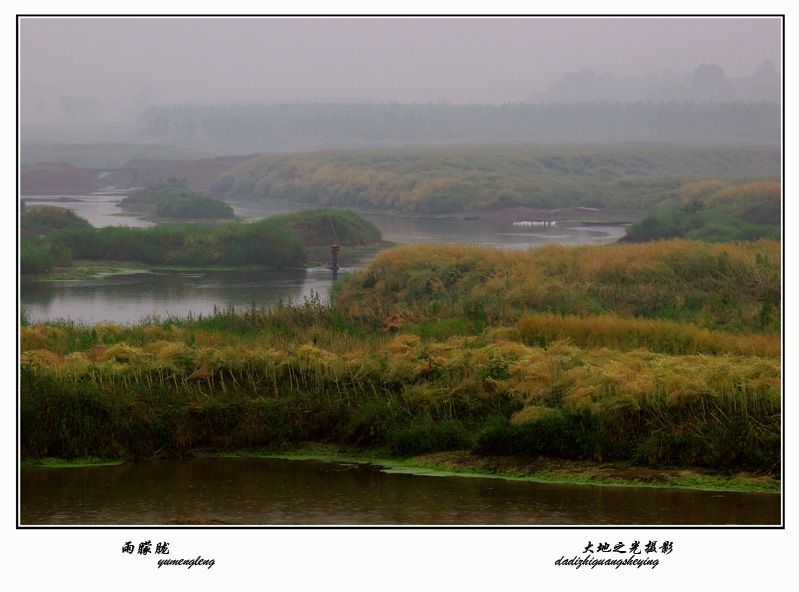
{"points": [[87, 270], [466, 464]]}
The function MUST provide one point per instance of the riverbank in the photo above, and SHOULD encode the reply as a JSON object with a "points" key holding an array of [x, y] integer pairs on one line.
{"points": [[467, 464], [435, 349], [463, 463], [87, 270]]}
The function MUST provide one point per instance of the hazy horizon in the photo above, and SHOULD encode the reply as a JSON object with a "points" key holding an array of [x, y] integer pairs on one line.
{"points": [[128, 61]]}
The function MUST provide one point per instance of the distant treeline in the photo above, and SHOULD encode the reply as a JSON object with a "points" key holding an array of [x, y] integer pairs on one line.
{"points": [[392, 122], [707, 82], [462, 178]]}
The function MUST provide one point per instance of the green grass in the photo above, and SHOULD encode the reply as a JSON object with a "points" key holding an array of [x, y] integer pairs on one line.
{"points": [[419, 465], [59, 463]]}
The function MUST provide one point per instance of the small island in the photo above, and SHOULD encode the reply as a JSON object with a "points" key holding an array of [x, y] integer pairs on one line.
{"points": [[173, 200], [56, 238]]}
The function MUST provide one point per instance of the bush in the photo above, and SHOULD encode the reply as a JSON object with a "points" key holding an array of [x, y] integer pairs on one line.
{"points": [[36, 260], [323, 227], [49, 218], [174, 199], [188, 206], [259, 243], [713, 212], [561, 433], [429, 436], [155, 193], [41, 254]]}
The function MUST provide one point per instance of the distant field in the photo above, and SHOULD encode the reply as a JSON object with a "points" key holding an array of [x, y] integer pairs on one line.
{"points": [[438, 180], [102, 154]]}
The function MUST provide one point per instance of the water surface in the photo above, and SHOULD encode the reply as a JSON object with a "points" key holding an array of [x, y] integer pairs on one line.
{"points": [[269, 491]]}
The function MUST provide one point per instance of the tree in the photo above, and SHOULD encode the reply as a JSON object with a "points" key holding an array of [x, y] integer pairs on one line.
{"points": [[710, 84]]}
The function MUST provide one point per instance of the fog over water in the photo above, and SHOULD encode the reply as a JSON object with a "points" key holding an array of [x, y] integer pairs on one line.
{"points": [[124, 63]]}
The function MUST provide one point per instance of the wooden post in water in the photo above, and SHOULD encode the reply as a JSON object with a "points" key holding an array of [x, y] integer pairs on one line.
{"points": [[334, 252]]}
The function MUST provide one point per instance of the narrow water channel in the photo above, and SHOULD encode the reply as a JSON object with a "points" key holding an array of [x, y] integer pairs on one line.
{"points": [[129, 298], [269, 491]]}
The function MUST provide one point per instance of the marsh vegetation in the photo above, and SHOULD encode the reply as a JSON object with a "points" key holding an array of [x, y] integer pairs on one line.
{"points": [[441, 180], [659, 354], [275, 242], [715, 211]]}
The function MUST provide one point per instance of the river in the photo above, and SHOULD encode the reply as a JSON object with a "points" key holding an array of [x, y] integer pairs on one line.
{"points": [[129, 298], [269, 491]]}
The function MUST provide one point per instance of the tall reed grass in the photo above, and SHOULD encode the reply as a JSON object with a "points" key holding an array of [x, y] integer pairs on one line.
{"points": [[432, 357], [396, 385]]}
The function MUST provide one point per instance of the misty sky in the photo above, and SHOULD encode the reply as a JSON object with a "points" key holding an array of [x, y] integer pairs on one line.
{"points": [[462, 60]]}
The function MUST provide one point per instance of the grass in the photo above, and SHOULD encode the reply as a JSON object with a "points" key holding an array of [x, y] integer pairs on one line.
{"points": [[447, 180], [580, 476], [433, 349], [324, 227], [693, 284], [60, 463], [92, 152]]}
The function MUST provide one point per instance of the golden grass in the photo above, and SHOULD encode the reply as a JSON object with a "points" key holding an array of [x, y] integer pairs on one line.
{"points": [[431, 374]]}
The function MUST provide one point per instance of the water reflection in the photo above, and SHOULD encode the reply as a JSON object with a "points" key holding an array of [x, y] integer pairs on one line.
{"points": [[277, 491], [130, 298]]}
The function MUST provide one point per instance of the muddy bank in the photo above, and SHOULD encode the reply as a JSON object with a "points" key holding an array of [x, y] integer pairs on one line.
{"points": [[466, 464], [557, 470], [199, 174], [591, 215], [550, 470], [52, 178]]}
